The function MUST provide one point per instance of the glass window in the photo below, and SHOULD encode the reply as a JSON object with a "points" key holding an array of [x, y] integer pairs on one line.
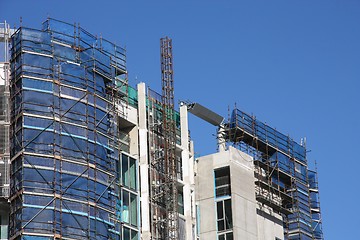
{"points": [[180, 201], [229, 236], [126, 235], [129, 234], [220, 212], [125, 170], [228, 214], [133, 209], [134, 235], [132, 173], [226, 236], [224, 215], [129, 172], [129, 208], [222, 182], [125, 207]]}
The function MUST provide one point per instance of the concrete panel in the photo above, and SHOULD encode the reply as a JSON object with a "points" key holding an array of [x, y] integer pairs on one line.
{"points": [[205, 181], [242, 182], [142, 105], [144, 166], [241, 158], [241, 234], [134, 141], [132, 115], [247, 222], [220, 159], [244, 214], [209, 236], [208, 215], [270, 225]]}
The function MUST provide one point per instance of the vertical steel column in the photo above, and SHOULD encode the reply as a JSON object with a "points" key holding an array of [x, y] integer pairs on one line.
{"points": [[167, 76]]}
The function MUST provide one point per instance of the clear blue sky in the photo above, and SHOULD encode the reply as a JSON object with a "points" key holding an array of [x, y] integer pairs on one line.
{"points": [[294, 64]]}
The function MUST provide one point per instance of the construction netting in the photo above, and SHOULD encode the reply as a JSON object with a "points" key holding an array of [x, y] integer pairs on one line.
{"points": [[4, 141], [267, 134], [70, 179], [287, 170]]}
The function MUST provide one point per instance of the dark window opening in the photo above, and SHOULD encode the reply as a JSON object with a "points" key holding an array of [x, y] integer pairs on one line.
{"points": [[226, 236], [224, 215], [180, 201], [222, 182]]}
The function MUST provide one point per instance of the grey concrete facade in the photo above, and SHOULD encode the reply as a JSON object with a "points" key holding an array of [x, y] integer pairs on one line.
{"points": [[251, 220]]}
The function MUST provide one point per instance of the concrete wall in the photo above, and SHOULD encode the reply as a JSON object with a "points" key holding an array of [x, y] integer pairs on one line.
{"points": [[205, 196], [205, 191], [251, 220], [243, 195], [270, 224], [143, 163], [188, 174]]}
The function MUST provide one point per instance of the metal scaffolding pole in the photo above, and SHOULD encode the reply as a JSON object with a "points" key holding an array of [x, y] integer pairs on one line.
{"points": [[167, 76]]}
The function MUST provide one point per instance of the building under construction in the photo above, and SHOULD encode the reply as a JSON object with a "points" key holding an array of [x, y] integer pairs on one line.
{"points": [[263, 188], [83, 155]]}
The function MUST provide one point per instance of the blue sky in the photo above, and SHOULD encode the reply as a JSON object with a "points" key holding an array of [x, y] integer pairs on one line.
{"points": [[293, 64]]}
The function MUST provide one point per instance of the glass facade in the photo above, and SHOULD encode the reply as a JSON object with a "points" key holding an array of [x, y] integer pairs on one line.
{"points": [[69, 177]]}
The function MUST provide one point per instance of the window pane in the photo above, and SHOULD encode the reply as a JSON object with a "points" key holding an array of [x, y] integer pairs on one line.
{"points": [[221, 237], [133, 209], [180, 202], [132, 173], [229, 236], [221, 226], [125, 170], [118, 167], [125, 214], [222, 182], [134, 235], [220, 213], [126, 234], [228, 214]]}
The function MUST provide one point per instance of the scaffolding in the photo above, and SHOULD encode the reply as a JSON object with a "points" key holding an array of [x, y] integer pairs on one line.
{"points": [[283, 182], [169, 129], [156, 166], [70, 176], [164, 164], [5, 34]]}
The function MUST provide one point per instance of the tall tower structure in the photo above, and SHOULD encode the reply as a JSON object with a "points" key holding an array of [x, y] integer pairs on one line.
{"points": [[167, 79], [162, 139]]}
